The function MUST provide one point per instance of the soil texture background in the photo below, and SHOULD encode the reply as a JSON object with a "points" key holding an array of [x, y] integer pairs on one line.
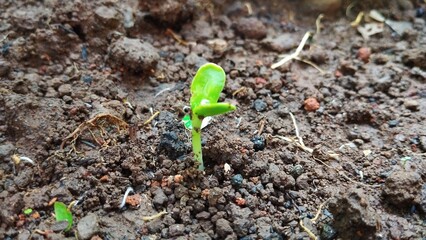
{"points": [[331, 145]]}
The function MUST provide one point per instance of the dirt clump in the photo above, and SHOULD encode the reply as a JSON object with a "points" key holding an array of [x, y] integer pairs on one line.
{"points": [[134, 55], [402, 188], [169, 12], [354, 217], [250, 28]]}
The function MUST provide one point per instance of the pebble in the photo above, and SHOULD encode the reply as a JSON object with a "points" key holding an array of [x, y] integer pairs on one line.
{"points": [[172, 145], [65, 90], [393, 123], [88, 226], [412, 105], [258, 143], [59, 226], [237, 180], [108, 16], [311, 104], [176, 230], [296, 170], [203, 215], [201, 236], [241, 226], [415, 57], [223, 228], [420, 12], [328, 232], [364, 54], [260, 105], [281, 43], [160, 198], [251, 28], [4, 67], [6, 149]]}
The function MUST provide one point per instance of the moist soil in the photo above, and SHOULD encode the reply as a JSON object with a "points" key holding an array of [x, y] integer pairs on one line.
{"points": [[93, 93]]}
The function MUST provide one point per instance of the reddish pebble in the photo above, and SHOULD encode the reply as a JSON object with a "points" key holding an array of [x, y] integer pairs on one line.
{"points": [[260, 80], [104, 178], [178, 178], [338, 74], [134, 200], [364, 54], [311, 104], [240, 201]]}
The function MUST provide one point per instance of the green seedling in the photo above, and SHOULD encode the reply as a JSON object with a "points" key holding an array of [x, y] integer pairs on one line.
{"points": [[206, 87], [28, 211], [63, 213]]}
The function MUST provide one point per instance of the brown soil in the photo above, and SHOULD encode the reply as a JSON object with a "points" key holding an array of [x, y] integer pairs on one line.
{"points": [[80, 79]]}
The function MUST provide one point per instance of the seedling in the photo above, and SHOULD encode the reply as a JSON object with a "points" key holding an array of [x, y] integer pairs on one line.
{"points": [[206, 87], [63, 213], [28, 211]]}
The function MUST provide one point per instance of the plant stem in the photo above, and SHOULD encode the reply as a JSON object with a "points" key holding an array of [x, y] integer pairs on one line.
{"points": [[196, 140]]}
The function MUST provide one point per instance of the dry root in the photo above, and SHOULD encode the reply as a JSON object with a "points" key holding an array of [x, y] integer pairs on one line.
{"points": [[98, 129]]}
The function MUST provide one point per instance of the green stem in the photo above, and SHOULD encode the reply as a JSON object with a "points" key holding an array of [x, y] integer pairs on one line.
{"points": [[196, 141]]}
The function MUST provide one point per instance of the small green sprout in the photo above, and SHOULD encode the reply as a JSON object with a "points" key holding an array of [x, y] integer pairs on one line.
{"points": [[63, 213], [28, 211], [206, 87]]}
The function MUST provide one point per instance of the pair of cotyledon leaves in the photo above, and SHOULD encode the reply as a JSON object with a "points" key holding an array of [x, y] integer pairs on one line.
{"points": [[206, 87]]}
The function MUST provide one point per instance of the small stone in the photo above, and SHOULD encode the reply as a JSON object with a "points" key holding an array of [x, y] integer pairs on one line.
{"points": [[415, 57], [59, 226], [412, 105], [258, 143], [201, 236], [218, 45], [420, 12], [241, 226], [328, 232], [364, 54], [176, 230], [108, 16], [282, 43], [6, 149], [251, 28], [4, 67], [311, 104], [88, 226], [203, 215], [237, 180], [160, 198], [296, 170], [393, 123], [223, 228], [65, 90], [358, 142], [260, 105]]}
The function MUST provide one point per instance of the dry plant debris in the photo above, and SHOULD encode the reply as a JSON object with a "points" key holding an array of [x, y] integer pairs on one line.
{"points": [[98, 128]]}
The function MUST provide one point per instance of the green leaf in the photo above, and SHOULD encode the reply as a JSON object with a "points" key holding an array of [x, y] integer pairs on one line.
{"points": [[28, 211], [207, 110], [207, 85], [62, 213]]}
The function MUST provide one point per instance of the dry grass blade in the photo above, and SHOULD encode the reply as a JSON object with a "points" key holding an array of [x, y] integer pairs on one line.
{"points": [[295, 54]]}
